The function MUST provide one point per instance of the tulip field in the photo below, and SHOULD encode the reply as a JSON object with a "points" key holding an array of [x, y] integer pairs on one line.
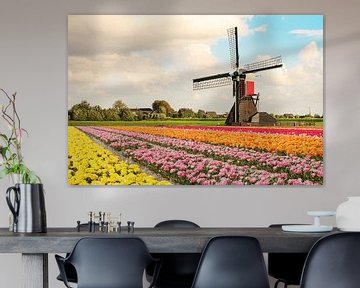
{"points": [[194, 155]]}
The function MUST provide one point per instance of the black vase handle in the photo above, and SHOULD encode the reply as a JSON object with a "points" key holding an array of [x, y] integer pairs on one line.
{"points": [[14, 208]]}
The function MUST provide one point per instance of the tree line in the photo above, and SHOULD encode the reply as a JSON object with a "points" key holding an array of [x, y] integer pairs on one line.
{"points": [[119, 111]]}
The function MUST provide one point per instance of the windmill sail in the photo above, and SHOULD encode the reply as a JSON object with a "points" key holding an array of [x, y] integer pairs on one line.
{"points": [[267, 64], [212, 81], [234, 48]]}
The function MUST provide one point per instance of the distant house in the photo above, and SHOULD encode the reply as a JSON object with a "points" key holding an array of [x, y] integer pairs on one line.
{"points": [[288, 115], [142, 113], [211, 114], [224, 115]]}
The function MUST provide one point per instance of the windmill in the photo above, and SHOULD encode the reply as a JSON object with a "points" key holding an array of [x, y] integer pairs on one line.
{"points": [[245, 106]]}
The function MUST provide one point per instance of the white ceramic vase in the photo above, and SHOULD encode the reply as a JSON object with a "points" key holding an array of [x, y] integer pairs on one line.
{"points": [[348, 215], [13, 179]]}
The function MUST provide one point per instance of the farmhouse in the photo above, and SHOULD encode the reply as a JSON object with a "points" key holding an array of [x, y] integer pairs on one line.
{"points": [[142, 113]]}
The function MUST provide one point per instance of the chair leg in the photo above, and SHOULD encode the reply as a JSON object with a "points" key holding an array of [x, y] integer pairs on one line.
{"points": [[279, 281]]}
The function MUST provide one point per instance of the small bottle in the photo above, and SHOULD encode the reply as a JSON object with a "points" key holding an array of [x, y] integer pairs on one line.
{"points": [[90, 223], [100, 221], [78, 226], [108, 217]]}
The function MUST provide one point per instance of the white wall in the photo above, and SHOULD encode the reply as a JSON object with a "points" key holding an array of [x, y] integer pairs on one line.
{"points": [[33, 62]]}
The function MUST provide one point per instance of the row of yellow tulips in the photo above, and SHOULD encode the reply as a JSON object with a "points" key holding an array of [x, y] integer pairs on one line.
{"points": [[90, 164]]}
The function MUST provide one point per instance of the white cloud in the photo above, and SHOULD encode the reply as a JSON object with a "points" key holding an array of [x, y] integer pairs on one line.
{"points": [[311, 55], [294, 89], [92, 34], [307, 33], [262, 28]]}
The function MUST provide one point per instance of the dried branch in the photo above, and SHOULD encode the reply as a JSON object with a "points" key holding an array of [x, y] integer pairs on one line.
{"points": [[12, 159]]}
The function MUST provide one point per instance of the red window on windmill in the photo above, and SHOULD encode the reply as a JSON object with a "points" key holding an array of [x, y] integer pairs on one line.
{"points": [[250, 88], [250, 84]]}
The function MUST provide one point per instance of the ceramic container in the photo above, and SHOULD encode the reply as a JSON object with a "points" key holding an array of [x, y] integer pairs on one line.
{"points": [[348, 215], [27, 207]]}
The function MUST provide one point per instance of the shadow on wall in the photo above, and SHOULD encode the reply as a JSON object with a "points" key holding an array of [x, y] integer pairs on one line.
{"points": [[343, 39]]}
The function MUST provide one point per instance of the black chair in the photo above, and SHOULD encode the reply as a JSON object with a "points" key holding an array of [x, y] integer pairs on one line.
{"points": [[108, 263], [176, 224], [69, 269], [286, 267], [333, 262], [178, 269], [232, 262]]}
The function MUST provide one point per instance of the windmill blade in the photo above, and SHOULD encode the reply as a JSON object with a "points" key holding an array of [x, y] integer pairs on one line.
{"points": [[234, 48], [212, 81], [272, 63]]}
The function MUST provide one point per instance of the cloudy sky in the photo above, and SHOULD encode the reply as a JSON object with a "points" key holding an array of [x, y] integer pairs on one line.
{"points": [[142, 58]]}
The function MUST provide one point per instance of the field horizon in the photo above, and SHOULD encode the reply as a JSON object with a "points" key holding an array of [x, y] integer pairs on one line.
{"points": [[282, 122]]}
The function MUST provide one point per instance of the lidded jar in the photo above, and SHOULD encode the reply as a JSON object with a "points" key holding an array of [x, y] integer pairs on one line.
{"points": [[348, 214]]}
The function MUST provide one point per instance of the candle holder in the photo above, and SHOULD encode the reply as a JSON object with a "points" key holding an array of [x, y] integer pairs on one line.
{"points": [[315, 227]]}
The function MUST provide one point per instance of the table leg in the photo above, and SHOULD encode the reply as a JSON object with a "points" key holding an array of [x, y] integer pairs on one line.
{"points": [[35, 270]]}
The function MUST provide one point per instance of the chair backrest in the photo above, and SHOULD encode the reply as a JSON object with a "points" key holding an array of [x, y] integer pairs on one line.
{"points": [[232, 262], [176, 224], [110, 262], [178, 269], [333, 262], [286, 267]]}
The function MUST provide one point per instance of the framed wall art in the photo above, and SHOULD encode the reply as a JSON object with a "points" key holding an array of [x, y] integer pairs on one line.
{"points": [[195, 100]]}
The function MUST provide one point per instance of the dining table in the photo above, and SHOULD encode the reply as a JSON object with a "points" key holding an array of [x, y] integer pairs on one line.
{"points": [[35, 247]]}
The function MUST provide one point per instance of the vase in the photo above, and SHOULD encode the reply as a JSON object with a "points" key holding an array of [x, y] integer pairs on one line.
{"points": [[14, 178], [27, 205], [348, 214]]}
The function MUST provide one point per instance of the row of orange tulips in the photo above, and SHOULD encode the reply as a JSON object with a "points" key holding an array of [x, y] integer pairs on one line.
{"points": [[300, 145]]}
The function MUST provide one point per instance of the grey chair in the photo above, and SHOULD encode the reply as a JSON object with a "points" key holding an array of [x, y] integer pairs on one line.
{"points": [[108, 263], [333, 262], [178, 269], [286, 267], [232, 262]]}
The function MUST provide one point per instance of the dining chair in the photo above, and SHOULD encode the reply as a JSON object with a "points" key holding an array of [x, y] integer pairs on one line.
{"points": [[231, 262], [69, 269], [285, 267], [108, 263], [333, 262], [178, 269]]}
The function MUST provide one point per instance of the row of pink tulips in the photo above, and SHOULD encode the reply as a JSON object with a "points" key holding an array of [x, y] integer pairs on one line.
{"points": [[114, 140], [186, 168]]}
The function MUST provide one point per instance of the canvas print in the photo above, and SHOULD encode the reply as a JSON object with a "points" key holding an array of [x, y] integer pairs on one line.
{"points": [[195, 100]]}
